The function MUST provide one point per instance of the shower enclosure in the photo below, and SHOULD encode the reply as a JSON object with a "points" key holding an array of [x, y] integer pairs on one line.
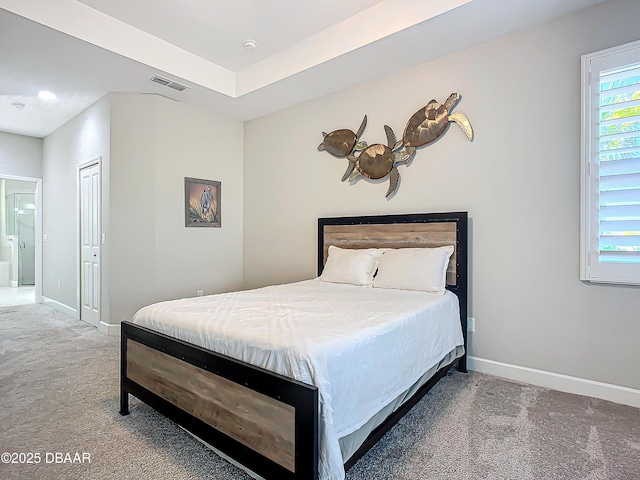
{"points": [[20, 230]]}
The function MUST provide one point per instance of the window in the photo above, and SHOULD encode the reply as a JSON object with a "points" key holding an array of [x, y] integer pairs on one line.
{"points": [[610, 205]]}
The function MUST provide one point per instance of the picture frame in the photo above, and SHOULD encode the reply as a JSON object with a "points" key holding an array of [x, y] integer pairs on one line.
{"points": [[202, 203]]}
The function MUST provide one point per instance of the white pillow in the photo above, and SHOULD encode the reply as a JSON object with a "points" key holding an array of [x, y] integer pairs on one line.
{"points": [[354, 266], [414, 269]]}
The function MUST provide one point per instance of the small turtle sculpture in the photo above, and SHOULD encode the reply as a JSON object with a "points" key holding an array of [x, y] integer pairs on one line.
{"points": [[428, 123], [377, 161], [341, 143]]}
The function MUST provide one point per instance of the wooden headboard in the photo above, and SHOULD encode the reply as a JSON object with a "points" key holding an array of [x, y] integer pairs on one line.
{"points": [[398, 231], [401, 231]]}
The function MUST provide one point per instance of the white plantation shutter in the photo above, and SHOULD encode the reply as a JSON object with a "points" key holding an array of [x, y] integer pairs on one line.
{"points": [[611, 166]]}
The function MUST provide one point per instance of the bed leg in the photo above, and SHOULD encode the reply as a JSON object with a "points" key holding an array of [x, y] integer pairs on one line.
{"points": [[462, 364], [124, 402]]}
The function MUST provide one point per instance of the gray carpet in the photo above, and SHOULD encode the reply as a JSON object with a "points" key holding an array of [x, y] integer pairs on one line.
{"points": [[59, 394]]}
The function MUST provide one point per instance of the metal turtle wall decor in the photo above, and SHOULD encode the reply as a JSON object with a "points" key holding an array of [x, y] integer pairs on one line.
{"points": [[377, 161], [342, 143]]}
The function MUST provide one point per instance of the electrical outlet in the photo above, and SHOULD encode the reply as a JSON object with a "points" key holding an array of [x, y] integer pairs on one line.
{"points": [[200, 293], [59, 284], [471, 324]]}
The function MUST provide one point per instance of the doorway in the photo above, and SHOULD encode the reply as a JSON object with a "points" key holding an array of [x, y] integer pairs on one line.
{"points": [[21, 233], [20, 249]]}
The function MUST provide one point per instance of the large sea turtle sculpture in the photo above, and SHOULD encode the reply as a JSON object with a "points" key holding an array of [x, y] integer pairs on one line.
{"points": [[342, 143], [428, 123], [377, 161]]}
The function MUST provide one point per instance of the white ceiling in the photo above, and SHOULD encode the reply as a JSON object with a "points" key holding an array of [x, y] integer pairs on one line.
{"points": [[82, 49]]}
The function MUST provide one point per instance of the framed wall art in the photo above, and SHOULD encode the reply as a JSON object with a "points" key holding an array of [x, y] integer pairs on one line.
{"points": [[201, 202]]}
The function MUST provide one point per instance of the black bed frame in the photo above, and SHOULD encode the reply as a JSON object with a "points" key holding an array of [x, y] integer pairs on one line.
{"points": [[303, 397]]}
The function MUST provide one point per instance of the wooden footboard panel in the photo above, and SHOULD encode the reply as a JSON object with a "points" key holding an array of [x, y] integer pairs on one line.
{"points": [[265, 421]]}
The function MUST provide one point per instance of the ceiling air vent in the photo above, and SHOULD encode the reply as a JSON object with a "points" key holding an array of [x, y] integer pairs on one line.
{"points": [[169, 83]]}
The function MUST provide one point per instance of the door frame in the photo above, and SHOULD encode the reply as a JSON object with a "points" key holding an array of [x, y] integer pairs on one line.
{"points": [[96, 161], [38, 230]]}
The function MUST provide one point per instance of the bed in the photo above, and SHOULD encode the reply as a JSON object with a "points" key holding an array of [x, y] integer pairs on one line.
{"points": [[299, 419]]}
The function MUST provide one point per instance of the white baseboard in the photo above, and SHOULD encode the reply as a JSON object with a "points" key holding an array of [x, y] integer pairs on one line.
{"points": [[14, 283], [61, 307], [103, 327], [557, 381], [109, 329]]}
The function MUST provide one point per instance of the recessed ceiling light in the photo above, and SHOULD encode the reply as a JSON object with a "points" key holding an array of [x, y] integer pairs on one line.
{"points": [[250, 44], [45, 95], [18, 105]]}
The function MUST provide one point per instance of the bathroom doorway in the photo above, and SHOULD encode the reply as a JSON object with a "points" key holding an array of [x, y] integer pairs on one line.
{"points": [[19, 218], [20, 214]]}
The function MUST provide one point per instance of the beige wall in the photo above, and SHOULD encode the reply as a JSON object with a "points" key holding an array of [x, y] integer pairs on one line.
{"points": [[155, 143], [82, 139], [20, 156], [519, 180], [147, 145]]}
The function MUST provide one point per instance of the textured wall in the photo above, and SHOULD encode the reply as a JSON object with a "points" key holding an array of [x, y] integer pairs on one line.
{"points": [[20, 156], [519, 180], [155, 143], [82, 139]]}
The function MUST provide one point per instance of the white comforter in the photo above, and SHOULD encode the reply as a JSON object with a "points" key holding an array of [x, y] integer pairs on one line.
{"points": [[360, 346]]}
